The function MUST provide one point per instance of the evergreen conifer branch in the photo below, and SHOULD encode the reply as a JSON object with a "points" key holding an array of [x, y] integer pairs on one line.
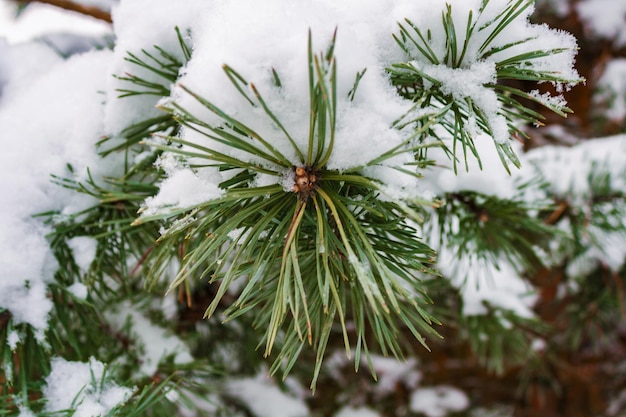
{"points": [[315, 258], [502, 339], [590, 220], [463, 117], [119, 199], [308, 252], [491, 228], [112, 277]]}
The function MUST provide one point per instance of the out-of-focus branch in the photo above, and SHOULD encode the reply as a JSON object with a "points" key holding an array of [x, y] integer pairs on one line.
{"points": [[76, 7]]}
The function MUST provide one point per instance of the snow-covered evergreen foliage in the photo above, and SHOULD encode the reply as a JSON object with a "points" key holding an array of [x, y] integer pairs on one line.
{"points": [[326, 182]]}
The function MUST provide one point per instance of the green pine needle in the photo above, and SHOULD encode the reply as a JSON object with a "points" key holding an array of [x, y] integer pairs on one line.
{"points": [[455, 114], [311, 256]]}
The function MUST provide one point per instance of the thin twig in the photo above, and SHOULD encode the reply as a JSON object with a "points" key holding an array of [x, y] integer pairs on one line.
{"points": [[92, 11]]}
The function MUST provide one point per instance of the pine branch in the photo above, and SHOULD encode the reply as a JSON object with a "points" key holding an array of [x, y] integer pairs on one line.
{"points": [[490, 227], [500, 339], [310, 253], [491, 106]]}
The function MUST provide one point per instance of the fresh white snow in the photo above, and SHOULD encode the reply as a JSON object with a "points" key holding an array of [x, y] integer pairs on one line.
{"points": [[83, 387], [611, 90], [357, 412], [41, 19], [154, 342], [438, 401], [265, 398], [604, 19], [52, 123]]}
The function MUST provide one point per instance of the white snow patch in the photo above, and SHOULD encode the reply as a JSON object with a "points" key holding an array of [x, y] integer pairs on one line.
{"points": [[27, 300], [611, 90], [79, 386], [21, 64], [31, 152], [153, 342], [84, 251], [568, 169], [480, 281], [492, 179], [604, 18], [169, 306], [184, 188], [391, 372], [13, 339], [25, 412], [357, 412], [39, 19], [539, 345], [78, 290], [265, 399], [438, 401], [604, 248]]}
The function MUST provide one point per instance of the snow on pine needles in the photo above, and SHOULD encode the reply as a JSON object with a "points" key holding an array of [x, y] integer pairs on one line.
{"points": [[286, 145]]}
